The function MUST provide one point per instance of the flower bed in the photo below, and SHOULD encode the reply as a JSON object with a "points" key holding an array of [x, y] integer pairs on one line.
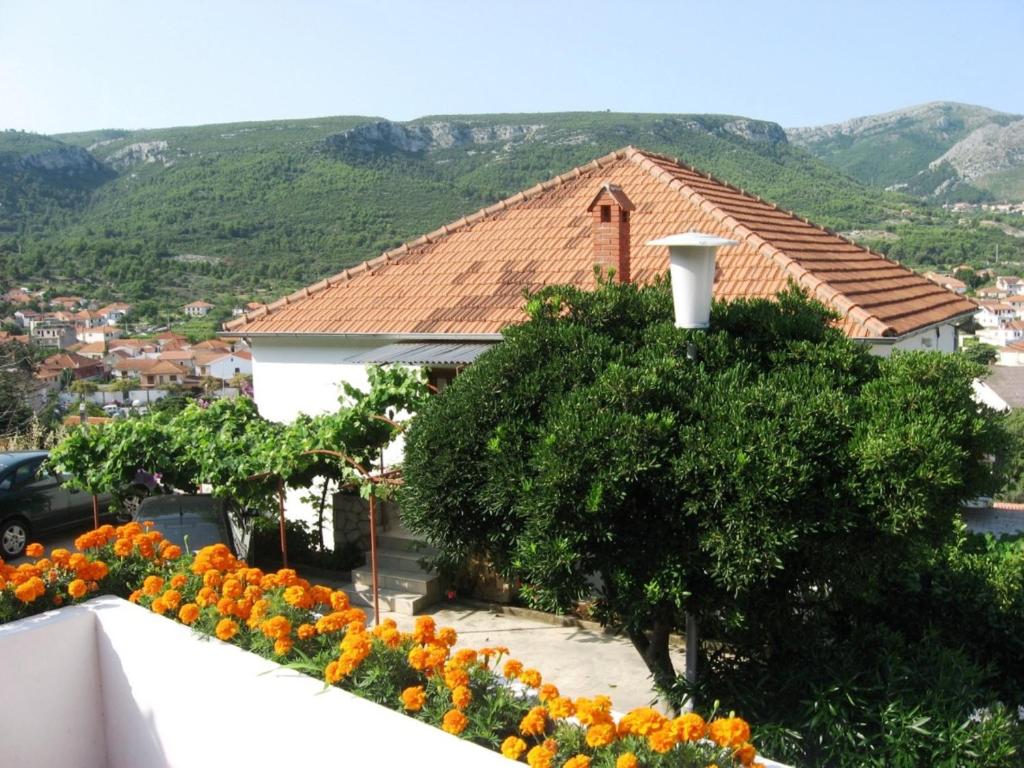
{"points": [[312, 628]]}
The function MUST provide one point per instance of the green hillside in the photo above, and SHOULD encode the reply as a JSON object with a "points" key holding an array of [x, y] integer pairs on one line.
{"points": [[256, 209], [942, 149]]}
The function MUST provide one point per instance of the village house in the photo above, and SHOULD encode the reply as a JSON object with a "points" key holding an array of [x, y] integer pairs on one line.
{"points": [[113, 314], [81, 367], [442, 299], [992, 314], [161, 373], [95, 351], [53, 333], [948, 282], [1003, 334], [1011, 285], [99, 333], [223, 365], [197, 309], [25, 317], [67, 302]]}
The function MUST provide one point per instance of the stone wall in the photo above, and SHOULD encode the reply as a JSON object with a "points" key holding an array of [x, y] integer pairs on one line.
{"points": [[352, 520]]}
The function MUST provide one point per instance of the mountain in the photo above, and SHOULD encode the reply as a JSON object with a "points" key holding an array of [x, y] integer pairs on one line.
{"points": [[256, 209], [941, 150]]}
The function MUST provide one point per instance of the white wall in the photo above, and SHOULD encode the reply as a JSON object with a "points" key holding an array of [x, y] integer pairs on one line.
{"points": [[939, 339], [224, 367], [108, 684], [301, 375]]}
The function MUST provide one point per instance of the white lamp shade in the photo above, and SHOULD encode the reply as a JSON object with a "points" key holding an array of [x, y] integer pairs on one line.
{"points": [[691, 257]]}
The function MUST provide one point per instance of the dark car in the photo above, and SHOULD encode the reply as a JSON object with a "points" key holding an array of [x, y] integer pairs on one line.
{"points": [[34, 503], [197, 521]]}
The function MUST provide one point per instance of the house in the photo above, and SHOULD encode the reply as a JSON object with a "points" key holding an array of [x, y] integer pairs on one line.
{"points": [[183, 357], [1003, 335], [87, 319], [113, 314], [197, 309], [1012, 285], [99, 333], [992, 314], [163, 372], [53, 333], [131, 367], [948, 282], [223, 365], [96, 350], [68, 302], [81, 367], [25, 317], [171, 338], [442, 299], [18, 296], [1017, 302]]}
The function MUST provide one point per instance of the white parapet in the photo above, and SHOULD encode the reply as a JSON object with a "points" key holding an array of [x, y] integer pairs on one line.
{"points": [[107, 684]]}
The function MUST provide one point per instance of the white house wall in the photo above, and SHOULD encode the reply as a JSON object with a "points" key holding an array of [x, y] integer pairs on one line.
{"points": [[941, 338]]}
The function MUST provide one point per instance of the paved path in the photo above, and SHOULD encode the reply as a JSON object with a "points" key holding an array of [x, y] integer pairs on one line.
{"points": [[581, 662]]}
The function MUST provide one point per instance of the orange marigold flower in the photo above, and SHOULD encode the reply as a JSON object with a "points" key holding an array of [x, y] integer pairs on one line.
{"points": [[30, 590], [206, 596], [745, 753], [461, 696], [627, 760], [178, 580], [332, 622], [542, 755], [414, 698], [134, 596], [424, 630], [447, 636], [277, 627], [60, 556], [34, 550], [159, 606], [320, 595], [189, 613], [173, 552], [579, 761], [600, 735], [464, 656], [213, 579], [513, 747], [535, 722], [690, 727], [226, 629], [332, 673], [282, 645], [231, 588], [530, 678], [454, 721], [455, 676], [152, 585], [512, 668], [729, 731], [561, 707], [339, 600], [123, 547], [297, 596], [418, 658], [77, 589], [226, 606], [641, 721], [306, 631], [547, 692], [173, 598], [662, 740], [594, 711]]}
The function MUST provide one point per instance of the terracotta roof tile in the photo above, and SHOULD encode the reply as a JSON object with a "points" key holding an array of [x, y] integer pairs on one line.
{"points": [[468, 277]]}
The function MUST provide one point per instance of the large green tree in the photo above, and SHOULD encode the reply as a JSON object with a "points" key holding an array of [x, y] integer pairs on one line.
{"points": [[761, 482]]}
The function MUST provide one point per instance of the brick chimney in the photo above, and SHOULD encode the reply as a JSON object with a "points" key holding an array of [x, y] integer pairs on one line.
{"points": [[610, 210]]}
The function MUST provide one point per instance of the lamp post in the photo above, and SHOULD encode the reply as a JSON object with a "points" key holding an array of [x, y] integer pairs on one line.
{"points": [[691, 258]]}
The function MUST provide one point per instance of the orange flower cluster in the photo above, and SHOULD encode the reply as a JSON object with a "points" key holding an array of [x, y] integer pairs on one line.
{"points": [[273, 613]]}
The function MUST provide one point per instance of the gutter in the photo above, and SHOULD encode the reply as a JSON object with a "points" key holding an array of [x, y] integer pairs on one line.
{"points": [[388, 338], [956, 320]]}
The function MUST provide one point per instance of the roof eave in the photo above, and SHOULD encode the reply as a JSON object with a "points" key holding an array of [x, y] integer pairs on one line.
{"points": [[952, 320], [390, 338]]}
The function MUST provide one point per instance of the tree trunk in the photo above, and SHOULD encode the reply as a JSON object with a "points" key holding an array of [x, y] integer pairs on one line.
{"points": [[653, 649], [320, 514]]}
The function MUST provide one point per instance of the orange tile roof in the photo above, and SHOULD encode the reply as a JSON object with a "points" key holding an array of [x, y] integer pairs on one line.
{"points": [[468, 276]]}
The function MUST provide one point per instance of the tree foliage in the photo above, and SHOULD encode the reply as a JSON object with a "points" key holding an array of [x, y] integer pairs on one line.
{"points": [[763, 486], [227, 444]]}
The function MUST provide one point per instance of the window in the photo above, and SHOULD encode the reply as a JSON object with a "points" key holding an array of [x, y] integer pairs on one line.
{"points": [[606, 213], [439, 378]]}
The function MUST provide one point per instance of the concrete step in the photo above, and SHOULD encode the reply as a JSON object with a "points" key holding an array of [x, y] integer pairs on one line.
{"points": [[398, 559], [402, 603], [404, 541], [416, 582]]}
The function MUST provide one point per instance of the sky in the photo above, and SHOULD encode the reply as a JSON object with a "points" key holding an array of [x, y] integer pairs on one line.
{"points": [[69, 65]]}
